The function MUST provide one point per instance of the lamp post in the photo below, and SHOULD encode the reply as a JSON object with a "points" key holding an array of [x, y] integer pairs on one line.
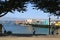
{"points": [[49, 24]]}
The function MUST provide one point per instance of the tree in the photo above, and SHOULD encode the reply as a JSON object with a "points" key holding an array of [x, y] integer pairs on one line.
{"points": [[11, 5], [51, 6]]}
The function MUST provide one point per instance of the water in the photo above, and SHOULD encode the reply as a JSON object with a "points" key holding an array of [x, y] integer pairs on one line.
{"points": [[18, 29]]}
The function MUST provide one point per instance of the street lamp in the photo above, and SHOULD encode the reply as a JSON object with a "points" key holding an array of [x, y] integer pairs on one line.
{"points": [[49, 23]]}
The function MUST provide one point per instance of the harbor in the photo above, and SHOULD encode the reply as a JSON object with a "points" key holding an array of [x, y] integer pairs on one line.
{"points": [[29, 27]]}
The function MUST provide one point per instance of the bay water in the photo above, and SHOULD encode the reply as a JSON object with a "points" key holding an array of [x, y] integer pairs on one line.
{"points": [[19, 29]]}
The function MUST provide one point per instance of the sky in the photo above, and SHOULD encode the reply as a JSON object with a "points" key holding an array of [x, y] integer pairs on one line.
{"points": [[30, 13]]}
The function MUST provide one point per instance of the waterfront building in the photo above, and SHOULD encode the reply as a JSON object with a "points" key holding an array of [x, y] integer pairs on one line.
{"points": [[19, 22], [37, 21], [57, 24], [30, 21]]}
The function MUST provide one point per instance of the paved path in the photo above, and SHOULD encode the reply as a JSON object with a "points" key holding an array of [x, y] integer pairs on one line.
{"points": [[30, 38]]}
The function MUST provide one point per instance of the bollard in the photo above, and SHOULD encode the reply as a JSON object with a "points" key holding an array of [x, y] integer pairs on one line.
{"points": [[1, 29]]}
